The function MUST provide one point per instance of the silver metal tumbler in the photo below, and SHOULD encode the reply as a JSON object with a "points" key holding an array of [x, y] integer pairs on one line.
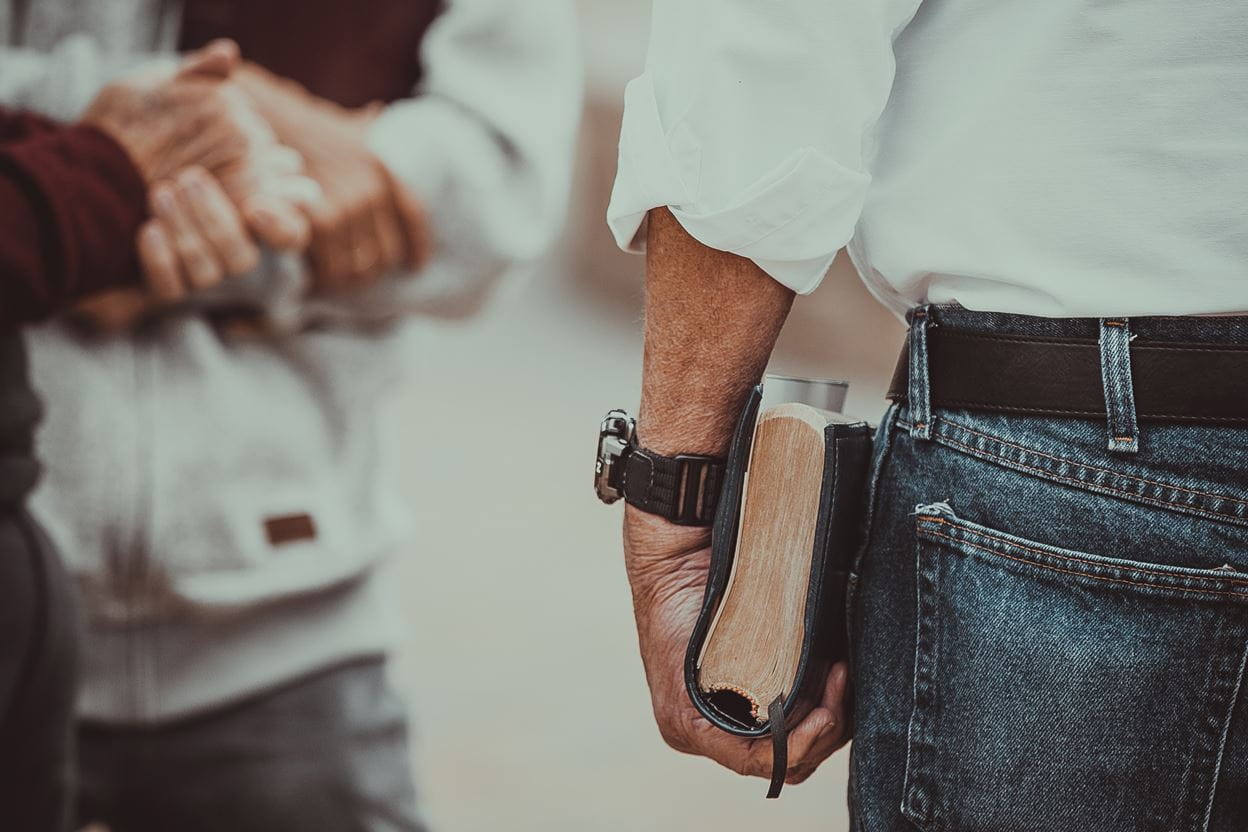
{"points": [[823, 393]]}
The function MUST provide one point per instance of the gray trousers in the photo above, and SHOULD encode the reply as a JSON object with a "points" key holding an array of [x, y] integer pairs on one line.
{"points": [[325, 754]]}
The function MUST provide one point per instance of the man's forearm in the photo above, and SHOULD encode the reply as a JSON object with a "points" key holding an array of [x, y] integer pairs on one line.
{"points": [[712, 319]]}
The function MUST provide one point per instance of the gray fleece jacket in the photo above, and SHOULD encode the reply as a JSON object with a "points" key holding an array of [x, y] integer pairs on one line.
{"points": [[222, 500]]}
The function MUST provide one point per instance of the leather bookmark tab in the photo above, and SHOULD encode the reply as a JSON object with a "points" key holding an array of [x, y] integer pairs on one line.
{"points": [[289, 528], [779, 746]]}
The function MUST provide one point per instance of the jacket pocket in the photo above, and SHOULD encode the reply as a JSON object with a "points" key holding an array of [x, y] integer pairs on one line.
{"points": [[1055, 689]]}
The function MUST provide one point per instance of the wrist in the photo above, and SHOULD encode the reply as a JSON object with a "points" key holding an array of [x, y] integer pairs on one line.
{"points": [[689, 427], [660, 534], [104, 115], [669, 440], [141, 152]]}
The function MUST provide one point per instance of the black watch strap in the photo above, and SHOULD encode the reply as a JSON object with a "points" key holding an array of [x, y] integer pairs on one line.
{"points": [[683, 489]]}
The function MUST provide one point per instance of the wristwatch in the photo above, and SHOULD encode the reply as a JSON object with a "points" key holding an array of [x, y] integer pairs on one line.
{"points": [[683, 488]]}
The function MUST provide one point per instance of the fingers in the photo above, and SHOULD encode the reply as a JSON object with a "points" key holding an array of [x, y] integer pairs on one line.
{"points": [[391, 246], [277, 222], [283, 161], [162, 270], [377, 244], [330, 250], [219, 222], [345, 250], [357, 249], [358, 230], [362, 250], [172, 205], [819, 735], [216, 60], [823, 731], [278, 211], [197, 238], [414, 222]]}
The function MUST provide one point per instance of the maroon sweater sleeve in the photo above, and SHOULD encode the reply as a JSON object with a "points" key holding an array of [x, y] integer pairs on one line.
{"points": [[71, 203]]}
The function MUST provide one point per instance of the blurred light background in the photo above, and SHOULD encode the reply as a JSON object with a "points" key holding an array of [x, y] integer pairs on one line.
{"points": [[520, 659]]}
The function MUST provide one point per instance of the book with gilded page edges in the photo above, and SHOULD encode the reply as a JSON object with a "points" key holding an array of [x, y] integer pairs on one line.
{"points": [[773, 618]]}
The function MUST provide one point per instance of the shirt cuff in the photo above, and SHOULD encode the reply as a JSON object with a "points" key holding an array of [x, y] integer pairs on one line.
{"points": [[791, 221], [450, 162], [399, 137]]}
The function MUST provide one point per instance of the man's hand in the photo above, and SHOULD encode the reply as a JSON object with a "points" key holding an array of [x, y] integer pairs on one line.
{"points": [[198, 117], [367, 224], [667, 569], [712, 319]]}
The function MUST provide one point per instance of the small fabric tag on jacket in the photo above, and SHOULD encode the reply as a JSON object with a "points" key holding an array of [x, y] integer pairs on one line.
{"points": [[290, 528]]}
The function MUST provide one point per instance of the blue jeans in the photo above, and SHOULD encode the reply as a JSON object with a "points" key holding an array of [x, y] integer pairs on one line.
{"points": [[1049, 634]]}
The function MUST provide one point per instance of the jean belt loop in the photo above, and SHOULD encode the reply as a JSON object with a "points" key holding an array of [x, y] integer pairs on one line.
{"points": [[919, 396], [1124, 432]]}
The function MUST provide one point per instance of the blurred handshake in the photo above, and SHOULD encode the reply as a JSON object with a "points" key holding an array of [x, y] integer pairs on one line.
{"points": [[236, 158]]}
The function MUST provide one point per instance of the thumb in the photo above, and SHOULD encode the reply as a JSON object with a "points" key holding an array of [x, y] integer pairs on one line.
{"points": [[216, 60]]}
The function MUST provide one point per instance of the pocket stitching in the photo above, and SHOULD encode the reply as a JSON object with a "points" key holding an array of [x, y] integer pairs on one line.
{"points": [[997, 552], [1098, 469], [1142, 569], [1201, 792], [1187, 508]]}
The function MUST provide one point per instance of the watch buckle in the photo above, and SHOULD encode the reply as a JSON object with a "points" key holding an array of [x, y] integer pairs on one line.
{"points": [[697, 491]]}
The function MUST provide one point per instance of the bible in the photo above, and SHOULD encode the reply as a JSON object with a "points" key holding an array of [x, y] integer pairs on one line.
{"points": [[774, 616]]}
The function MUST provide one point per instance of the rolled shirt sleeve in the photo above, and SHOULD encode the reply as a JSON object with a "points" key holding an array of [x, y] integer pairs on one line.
{"points": [[752, 124], [487, 145]]}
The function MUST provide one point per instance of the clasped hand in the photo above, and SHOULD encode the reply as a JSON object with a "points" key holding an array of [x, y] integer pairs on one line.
{"points": [[236, 158]]}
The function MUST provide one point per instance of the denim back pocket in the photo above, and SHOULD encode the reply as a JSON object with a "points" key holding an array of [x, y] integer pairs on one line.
{"points": [[1049, 682]]}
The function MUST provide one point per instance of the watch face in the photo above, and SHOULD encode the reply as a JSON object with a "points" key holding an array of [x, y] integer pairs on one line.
{"points": [[614, 438]]}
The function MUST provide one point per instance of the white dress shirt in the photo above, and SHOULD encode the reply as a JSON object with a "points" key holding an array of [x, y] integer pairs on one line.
{"points": [[1060, 158]]}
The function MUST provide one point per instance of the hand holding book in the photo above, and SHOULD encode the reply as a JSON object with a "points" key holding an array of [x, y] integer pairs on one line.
{"points": [[668, 567], [773, 617]]}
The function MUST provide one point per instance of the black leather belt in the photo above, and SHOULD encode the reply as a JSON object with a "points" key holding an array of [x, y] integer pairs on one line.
{"points": [[1062, 377]]}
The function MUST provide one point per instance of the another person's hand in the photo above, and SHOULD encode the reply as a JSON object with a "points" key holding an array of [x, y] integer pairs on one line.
{"points": [[195, 239], [198, 117], [667, 570], [367, 224]]}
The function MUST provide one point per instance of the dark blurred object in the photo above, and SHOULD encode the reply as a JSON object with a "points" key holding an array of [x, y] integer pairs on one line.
{"points": [[38, 671], [338, 50]]}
